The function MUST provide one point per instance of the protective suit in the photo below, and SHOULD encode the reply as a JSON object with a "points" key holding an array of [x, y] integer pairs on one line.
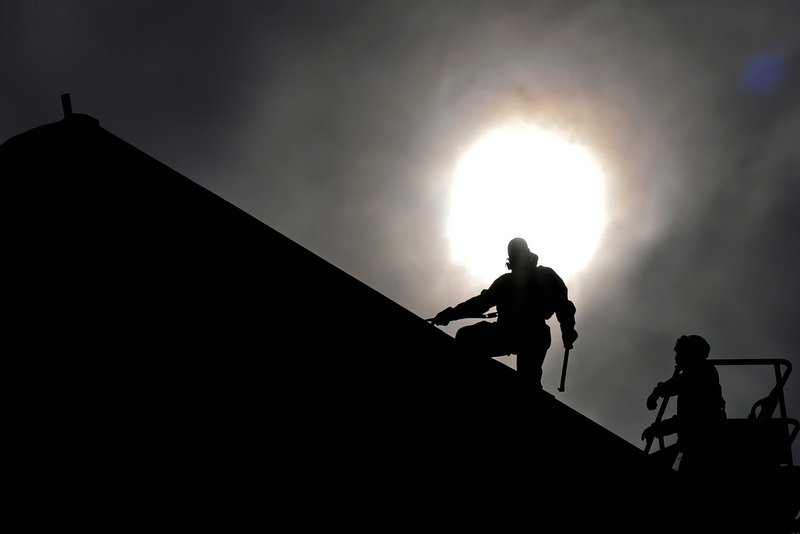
{"points": [[525, 298]]}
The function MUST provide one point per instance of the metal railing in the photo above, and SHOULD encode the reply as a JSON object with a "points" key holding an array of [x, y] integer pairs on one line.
{"points": [[767, 405]]}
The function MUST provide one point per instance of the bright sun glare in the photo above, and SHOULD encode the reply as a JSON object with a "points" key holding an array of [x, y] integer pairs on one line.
{"points": [[529, 183]]}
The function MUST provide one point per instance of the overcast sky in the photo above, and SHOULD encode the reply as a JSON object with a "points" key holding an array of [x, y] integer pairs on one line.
{"points": [[340, 124]]}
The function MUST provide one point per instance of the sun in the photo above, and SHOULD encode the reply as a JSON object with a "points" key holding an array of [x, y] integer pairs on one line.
{"points": [[531, 183]]}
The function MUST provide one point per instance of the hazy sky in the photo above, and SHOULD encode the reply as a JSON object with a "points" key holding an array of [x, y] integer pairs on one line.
{"points": [[340, 124]]}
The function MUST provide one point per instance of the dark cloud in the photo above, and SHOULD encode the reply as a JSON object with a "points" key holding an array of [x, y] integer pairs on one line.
{"points": [[339, 125]]}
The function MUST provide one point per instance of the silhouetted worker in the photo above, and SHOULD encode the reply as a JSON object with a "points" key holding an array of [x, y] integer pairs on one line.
{"points": [[525, 298], [701, 408]]}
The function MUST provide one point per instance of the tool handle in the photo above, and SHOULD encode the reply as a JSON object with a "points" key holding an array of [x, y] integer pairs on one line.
{"points": [[564, 371]]}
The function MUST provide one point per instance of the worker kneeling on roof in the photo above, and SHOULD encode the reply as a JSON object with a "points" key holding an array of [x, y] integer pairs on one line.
{"points": [[525, 298]]}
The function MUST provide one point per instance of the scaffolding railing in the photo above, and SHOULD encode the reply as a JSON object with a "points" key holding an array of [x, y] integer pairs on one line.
{"points": [[763, 409]]}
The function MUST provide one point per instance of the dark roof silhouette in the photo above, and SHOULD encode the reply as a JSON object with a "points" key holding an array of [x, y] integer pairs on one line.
{"points": [[175, 362]]}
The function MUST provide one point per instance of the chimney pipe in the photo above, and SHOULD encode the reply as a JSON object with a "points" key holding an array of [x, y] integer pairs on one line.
{"points": [[66, 105]]}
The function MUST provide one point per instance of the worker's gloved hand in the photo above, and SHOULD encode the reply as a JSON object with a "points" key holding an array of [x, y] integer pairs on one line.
{"points": [[444, 317], [652, 401], [568, 336], [649, 433]]}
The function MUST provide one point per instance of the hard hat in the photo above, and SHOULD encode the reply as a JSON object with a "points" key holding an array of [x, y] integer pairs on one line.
{"points": [[518, 246], [694, 347]]}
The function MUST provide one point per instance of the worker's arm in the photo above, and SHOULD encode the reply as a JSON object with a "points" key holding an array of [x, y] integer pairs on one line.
{"points": [[565, 311], [566, 319], [473, 307], [669, 388], [661, 429]]}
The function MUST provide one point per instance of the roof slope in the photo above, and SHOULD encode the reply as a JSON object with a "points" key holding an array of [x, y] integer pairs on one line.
{"points": [[177, 362]]}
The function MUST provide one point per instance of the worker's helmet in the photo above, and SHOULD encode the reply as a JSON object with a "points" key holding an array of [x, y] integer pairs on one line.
{"points": [[691, 349], [518, 252]]}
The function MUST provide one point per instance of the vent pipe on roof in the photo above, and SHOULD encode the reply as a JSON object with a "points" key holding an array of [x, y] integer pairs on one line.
{"points": [[66, 105]]}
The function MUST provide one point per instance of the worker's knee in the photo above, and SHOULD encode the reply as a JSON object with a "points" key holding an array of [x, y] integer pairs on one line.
{"points": [[482, 339], [475, 332]]}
